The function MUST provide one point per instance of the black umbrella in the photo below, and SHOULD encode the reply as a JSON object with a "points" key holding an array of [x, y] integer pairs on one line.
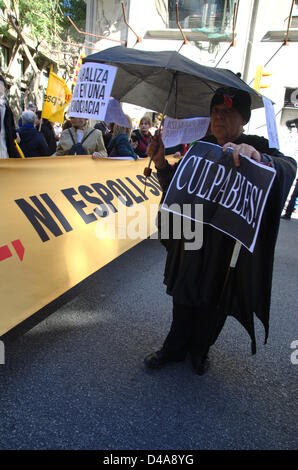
{"points": [[156, 79], [168, 82]]}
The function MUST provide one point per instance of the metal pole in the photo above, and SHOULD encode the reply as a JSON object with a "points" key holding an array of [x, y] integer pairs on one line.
{"points": [[147, 170], [250, 39]]}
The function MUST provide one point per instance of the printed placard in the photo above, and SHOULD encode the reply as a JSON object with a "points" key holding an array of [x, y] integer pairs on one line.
{"points": [[184, 131], [92, 91], [233, 198]]}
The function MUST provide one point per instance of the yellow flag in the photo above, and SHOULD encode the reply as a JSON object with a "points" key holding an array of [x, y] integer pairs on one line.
{"points": [[57, 97]]}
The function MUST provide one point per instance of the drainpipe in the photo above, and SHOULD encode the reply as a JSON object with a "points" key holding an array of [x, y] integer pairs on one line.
{"points": [[249, 47]]}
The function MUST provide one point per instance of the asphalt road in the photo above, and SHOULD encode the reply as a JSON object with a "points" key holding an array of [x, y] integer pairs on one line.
{"points": [[77, 381]]}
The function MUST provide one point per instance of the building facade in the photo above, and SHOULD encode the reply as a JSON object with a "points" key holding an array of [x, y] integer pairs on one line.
{"points": [[244, 36], [26, 83]]}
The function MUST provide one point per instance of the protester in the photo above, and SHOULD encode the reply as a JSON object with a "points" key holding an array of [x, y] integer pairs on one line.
{"points": [[120, 145], [47, 130], [66, 125], [141, 138], [32, 142], [7, 126], [58, 130], [29, 107], [195, 278], [291, 205], [106, 132], [80, 139]]}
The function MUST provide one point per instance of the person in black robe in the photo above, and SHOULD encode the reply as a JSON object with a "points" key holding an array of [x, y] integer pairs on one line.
{"points": [[195, 278]]}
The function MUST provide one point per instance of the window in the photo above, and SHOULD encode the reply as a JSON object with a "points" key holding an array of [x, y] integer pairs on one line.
{"points": [[291, 98], [215, 15], [294, 20], [4, 57]]}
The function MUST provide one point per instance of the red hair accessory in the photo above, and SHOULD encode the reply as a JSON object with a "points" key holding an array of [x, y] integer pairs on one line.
{"points": [[228, 101]]}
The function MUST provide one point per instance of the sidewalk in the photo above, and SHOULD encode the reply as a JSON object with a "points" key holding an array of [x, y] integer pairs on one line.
{"points": [[77, 381]]}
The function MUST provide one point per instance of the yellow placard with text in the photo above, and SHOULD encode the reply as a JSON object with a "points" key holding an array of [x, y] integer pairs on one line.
{"points": [[62, 219]]}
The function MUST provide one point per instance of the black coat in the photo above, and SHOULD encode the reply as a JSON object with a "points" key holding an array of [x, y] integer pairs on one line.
{"points": [[10, 133], [196, 278], [32, 142], [49, 135]]}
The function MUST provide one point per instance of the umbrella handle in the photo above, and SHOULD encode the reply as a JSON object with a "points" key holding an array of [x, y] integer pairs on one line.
{"points": [[147, 171], [233, 263]]}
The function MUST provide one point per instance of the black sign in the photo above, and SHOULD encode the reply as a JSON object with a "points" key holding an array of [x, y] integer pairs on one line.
{"points": [[233, 197]]}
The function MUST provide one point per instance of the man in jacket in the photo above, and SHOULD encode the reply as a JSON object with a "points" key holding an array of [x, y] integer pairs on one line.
{"points": [[32, 142], [195, 279]]}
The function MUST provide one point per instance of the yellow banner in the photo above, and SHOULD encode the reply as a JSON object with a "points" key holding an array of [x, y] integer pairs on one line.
{"points": [[57, 97], [62, 219]]}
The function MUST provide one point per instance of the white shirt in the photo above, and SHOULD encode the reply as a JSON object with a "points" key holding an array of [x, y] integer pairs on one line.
{"points": [[80, 134]]}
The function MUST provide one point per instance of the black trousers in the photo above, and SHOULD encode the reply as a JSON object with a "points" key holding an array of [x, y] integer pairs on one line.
{"points": [[193, 330]]}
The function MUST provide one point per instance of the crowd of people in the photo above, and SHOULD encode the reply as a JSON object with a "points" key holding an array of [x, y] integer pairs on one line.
{"points": [[35, 136]]}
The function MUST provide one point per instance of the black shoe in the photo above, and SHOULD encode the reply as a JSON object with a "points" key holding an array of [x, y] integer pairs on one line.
{"points": [[286, 217], [159, 359], [199, 364]]}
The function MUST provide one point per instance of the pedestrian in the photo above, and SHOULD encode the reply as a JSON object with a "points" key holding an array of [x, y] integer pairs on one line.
{"points": [[30, 107], [119, 145], [46, 128], [105, 130], [8, 133], [141, 138], [292, 202], [32, 142], [195, 278], [80, 139]]}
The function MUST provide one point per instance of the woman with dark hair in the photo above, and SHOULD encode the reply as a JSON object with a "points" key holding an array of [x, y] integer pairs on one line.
{"points": [[48, 132]]}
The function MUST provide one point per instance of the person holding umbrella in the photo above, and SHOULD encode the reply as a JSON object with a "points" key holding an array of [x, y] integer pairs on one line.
{"points": [[195, 278]]}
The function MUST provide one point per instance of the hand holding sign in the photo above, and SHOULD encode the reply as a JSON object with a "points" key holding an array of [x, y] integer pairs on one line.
{"points": [[243, 149], [156, 150], [233, 198]]}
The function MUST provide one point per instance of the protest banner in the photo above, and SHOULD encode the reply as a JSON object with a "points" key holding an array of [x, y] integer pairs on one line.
{"points": [[92, 91], [60, 224], [233, 198], [271, 123], [183, 131], [57, 98]]}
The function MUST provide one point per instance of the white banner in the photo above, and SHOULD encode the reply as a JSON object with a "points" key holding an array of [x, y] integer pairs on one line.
{"points": [[92, 91], [271, 123], [184, 131]]}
